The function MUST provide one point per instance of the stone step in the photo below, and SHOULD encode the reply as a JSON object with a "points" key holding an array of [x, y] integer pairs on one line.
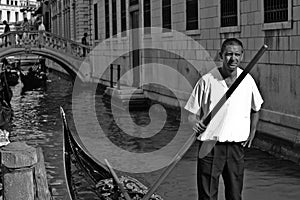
{"points": [[126, 97], [132, 103], [123, 90], [131, 97]]}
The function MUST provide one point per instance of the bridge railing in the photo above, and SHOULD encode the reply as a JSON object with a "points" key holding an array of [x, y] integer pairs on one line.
{"points": [[30, 39]]}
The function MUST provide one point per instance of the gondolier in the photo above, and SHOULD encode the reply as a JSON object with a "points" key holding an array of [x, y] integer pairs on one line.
{"points": [[5, 98], [233, 127]]}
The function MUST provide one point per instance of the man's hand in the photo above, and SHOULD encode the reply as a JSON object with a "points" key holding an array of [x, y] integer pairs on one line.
{"points": [[254, 121], [248, 142], [199, 127]]}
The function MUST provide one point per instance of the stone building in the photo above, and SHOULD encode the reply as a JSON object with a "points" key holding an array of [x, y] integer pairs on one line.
{"points": [[14, 11], [68, 18], [255, 22]]}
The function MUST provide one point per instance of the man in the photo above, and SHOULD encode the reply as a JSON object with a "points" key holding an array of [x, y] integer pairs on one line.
{"points": [[25, 28], [5, 90], [233, 127], [6, 30], [41, 26], [41, 30], [84, 42]]}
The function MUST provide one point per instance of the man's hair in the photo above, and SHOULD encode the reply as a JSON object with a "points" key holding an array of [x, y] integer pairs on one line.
{"points": [[231, 41]]}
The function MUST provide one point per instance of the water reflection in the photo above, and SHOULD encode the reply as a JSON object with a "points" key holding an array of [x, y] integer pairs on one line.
{"points": [[37, 121]]}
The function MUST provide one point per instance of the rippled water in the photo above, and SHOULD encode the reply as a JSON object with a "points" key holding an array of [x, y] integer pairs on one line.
{"points": [[37, 121]]}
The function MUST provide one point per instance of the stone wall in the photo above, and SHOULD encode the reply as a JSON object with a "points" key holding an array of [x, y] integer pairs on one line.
{"points": [[277, 73]]}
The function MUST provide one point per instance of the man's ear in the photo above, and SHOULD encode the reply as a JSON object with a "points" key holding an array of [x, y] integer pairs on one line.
{"points": [[221, 56], [242, 57]]}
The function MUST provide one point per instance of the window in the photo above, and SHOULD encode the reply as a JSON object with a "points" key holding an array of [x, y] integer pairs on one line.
{"points": [[7, 2], [11, 2], [16, 3], [166, 14], [275, 11], [17, 16], [229, 13], [191, 14], [8, 16], [48, 25], [114, 17], [123, 17], [96, 21], [107, 34], [147, 16], [277, 14], [0, 15], [133, 2]]}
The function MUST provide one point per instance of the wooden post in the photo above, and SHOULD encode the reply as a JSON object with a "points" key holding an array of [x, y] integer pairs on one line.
{"points": [[119, 76], [40, 177], [17, 163], [111, 75]]}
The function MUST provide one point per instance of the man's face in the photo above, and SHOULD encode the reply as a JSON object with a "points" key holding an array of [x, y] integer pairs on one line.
{"points": [[232, 57]]}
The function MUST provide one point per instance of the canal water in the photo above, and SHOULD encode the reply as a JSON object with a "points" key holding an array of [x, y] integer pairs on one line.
{"points": [[37, 122]]}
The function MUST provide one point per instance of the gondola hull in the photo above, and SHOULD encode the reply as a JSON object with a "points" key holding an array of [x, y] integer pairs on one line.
{"points": [[96, 173]]}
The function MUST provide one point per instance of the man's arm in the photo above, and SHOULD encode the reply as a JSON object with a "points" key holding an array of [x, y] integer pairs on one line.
{"points": [[198, 126], [254, 120]]}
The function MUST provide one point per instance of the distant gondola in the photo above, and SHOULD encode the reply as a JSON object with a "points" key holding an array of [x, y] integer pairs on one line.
{"points": [[6, 111], [10, 72], [96, 173], [12, 77], [33, 79]]}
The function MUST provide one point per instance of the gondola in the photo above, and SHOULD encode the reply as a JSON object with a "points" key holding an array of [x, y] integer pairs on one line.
{"points": [[6, 114], [12, 77], [96, 173], [6, 111], [10, 72], [33, 79]]}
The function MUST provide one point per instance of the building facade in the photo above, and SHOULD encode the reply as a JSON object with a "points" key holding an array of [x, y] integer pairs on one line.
{"points": [[68, 18], [14, 11], [255, 22]]}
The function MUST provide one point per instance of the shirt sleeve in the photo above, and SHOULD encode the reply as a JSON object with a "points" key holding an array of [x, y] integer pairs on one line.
{"points": [[256, 98], [193, 105]]}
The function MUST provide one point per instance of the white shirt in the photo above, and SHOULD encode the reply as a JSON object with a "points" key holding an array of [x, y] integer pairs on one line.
{"points": [[41, 27], [232, 122]]}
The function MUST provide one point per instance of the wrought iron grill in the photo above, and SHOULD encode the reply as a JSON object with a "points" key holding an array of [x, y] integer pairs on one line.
{"points": [[229, 13], [275, 11]]}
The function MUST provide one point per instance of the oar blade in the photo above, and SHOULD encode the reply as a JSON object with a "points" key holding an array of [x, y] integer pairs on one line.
{"points": [[206, 147]]}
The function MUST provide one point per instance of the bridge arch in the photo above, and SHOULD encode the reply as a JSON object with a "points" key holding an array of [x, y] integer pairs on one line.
{"points": [[60, 50]]}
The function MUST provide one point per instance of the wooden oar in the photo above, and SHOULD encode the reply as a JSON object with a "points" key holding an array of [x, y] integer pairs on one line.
{"points": [[206, 145], [115, 177]]}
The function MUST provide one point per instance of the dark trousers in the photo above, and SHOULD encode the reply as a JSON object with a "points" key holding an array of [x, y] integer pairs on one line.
{"points": [[226, 159]]}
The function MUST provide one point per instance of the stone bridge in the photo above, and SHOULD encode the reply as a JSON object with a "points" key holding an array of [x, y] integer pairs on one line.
{"points": [[65, 52]]}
